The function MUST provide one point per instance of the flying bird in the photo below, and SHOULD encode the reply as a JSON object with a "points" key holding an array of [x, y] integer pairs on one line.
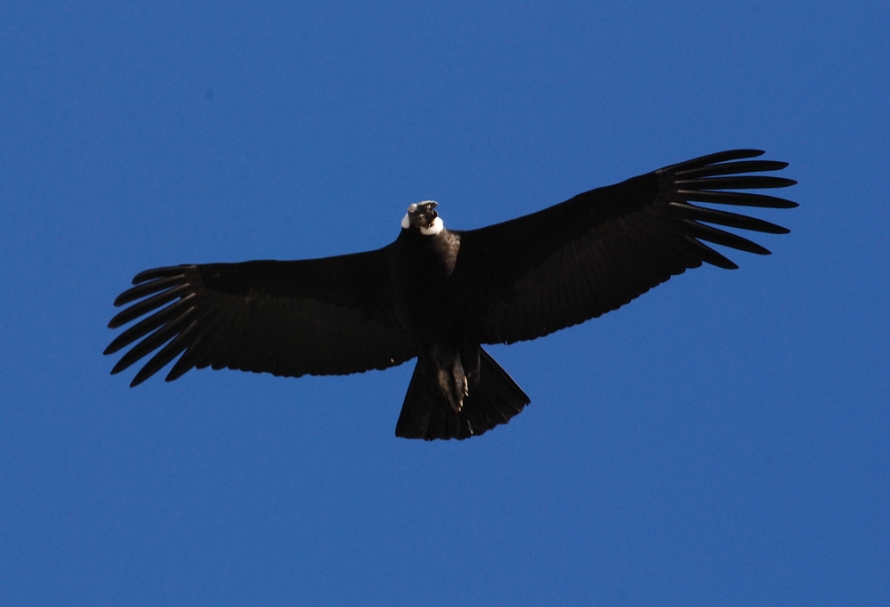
{"points": [[439, 295]]}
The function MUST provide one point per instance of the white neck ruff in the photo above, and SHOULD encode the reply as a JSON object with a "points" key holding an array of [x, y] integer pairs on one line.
{"points": [[434, 229]]}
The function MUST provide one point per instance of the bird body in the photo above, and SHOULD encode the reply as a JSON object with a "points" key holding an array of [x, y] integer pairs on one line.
{"points": [[439, 312], [439, 294]]}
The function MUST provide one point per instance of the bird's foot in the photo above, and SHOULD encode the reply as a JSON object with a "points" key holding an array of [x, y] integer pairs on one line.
{"points": [[454, 385], [461, 386]]}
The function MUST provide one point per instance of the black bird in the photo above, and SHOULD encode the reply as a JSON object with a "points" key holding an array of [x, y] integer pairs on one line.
{"points": [[439, 294]]}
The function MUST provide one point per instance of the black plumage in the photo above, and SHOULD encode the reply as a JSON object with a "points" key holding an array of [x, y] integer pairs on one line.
{"points": [[439, 294]]}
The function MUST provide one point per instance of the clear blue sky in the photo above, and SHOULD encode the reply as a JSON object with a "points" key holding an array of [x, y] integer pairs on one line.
{"points": [[724, 440]]}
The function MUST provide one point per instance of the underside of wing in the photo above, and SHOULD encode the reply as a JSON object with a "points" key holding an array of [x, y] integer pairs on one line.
{"points": [[330, 316], [601, 249]]}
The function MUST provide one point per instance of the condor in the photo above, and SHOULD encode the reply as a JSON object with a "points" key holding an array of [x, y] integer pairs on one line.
{"points": [[438, 295]]}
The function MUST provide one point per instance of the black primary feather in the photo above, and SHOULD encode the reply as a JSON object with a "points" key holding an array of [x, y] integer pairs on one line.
{"points": [[439, 294]]}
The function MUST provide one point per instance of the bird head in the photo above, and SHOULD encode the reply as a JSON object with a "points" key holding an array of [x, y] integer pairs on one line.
{"points": [[423, 216]]}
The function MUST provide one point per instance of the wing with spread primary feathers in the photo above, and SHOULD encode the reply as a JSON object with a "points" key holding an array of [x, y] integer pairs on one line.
{"points": [[599, 250], [328, 316]]}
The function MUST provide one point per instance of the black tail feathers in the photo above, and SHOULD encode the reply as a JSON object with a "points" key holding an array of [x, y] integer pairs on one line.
{"points": [[426, 412]]}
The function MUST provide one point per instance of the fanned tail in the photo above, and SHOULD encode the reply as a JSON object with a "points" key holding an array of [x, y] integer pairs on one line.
{"points": [[427, 414]]}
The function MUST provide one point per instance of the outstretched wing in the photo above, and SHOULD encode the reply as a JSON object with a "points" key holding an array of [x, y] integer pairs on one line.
{"points": [[328, 316], [599, 250]]}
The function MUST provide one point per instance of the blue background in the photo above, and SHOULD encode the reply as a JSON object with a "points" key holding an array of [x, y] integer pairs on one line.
{"points": [[723, 440]]}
